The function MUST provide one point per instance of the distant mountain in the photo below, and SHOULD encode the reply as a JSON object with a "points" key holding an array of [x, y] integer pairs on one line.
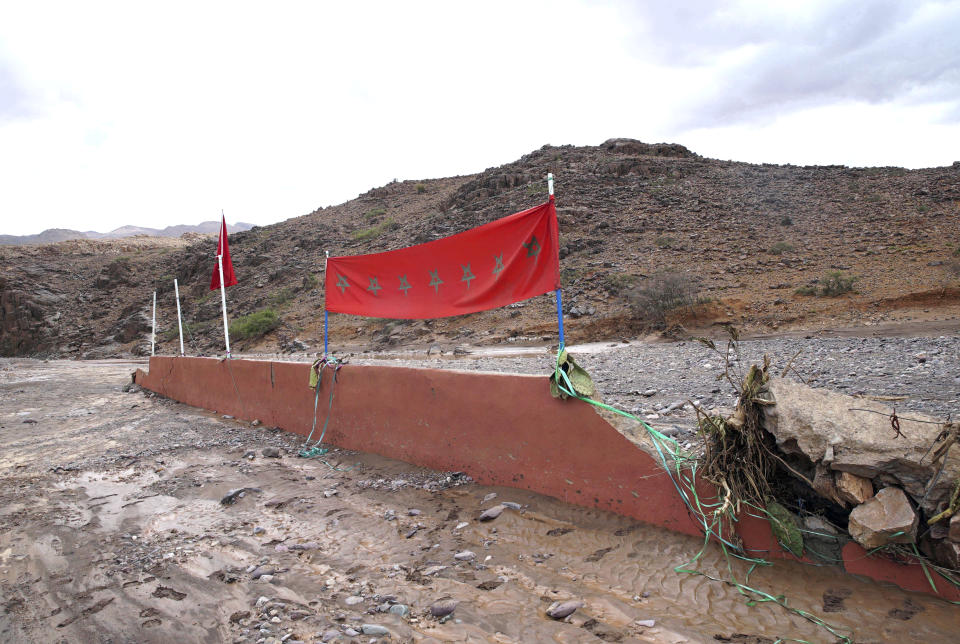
{"points": [[53, 235]]}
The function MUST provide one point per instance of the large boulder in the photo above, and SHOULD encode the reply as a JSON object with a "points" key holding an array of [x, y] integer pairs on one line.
{"points": [[855, 435], [885, 518]]}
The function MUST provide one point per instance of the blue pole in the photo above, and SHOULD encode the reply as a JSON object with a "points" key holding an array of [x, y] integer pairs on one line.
{"points": [[560, 315], [325, 333]]}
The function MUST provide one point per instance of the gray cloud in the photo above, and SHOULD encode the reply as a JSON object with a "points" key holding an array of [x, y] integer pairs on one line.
{"points": [[851, 51]]}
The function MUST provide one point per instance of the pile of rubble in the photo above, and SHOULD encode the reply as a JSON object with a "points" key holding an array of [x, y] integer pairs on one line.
{"points": [[898, 478]]}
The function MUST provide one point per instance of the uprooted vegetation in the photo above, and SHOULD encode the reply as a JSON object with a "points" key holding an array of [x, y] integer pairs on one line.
{"points": [[826, 469]]}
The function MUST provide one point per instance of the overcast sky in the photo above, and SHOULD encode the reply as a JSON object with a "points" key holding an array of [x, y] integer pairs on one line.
{"points": [[164, 113]]}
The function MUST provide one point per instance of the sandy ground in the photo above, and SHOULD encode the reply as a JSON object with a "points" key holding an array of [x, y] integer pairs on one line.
{"points": [[112, 529]]}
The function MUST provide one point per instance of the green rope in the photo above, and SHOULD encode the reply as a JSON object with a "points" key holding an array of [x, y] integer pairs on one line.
{"points": [[320, 365]]}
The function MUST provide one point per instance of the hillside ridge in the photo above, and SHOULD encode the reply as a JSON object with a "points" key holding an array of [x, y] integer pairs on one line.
{"points": [[751, 239]]}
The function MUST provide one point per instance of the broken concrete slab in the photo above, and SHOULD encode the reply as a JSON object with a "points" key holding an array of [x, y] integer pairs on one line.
{"points": [[885, 518], [857, 434]]}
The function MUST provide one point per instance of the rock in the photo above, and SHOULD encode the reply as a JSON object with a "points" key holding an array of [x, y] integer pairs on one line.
{"points": [[559, 610], [947, 553], [400, 609], [853, 489], [491, 513], [349, 632], [647, 623], [250, 454], [443, 607], [413, 512], [270, 452], [375, 630], [806, 421], [260, 571], [822, 539], [489, 497], [954, 534], [239, 616], [432, 570], [353, 600], [466, 555], [238, 493], [881, 518], [329, 635], [649, 392], [262, 601], [511, 505]]}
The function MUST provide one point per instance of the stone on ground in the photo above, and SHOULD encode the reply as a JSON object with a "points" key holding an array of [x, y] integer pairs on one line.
{"points": [[885, 518], [853, 489]]}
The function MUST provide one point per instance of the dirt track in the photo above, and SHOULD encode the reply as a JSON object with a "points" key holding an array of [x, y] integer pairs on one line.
{"points": [[113, 530]]}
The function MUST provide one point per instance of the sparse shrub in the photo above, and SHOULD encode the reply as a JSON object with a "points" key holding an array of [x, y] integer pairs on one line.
{"points": [[310, 282], [282, 296], [661, 294], [953, 267], [421, 188], [374, 231], [617, 283], [374, 213], [780, 248], [835, 283], [806, 290], [786, 221], [254, 325], [665, 241]]}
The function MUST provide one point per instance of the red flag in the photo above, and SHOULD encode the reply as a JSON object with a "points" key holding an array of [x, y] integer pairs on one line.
{"points": [[507, 260], [223, 248]]}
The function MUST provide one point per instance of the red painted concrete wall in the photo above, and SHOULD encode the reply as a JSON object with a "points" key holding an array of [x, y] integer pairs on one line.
{"points": [[500, 429]]}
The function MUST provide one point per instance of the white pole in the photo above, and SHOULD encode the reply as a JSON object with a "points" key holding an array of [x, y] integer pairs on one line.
{"points": [[223, 300], [176, 289], [153, 328], [550, 183]]}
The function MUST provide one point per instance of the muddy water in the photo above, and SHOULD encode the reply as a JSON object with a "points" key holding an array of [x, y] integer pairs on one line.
{"points": [[124, 538]]}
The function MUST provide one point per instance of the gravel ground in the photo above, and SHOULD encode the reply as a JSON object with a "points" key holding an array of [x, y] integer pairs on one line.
{"points": [[914, 374]]}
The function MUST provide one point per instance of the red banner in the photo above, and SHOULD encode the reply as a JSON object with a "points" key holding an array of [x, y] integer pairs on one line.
{"points": [[507, 260]]}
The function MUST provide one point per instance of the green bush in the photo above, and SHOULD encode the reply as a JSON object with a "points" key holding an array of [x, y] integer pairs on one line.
{"points": [[786, 221], [832, 284], [282, 296], [835, 283], [781, 247], [374, 231], [421, 188], [661, 294], [254, 325], [370, 215]]}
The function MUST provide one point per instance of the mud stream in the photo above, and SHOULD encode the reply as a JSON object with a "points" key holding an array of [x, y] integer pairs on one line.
{"points": [[112, 529]]}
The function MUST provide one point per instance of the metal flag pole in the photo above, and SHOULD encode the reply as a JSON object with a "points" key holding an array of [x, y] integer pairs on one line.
{"points": [[223, 301], [325, 317], [558, 291], [153, 327], [176, 290]]}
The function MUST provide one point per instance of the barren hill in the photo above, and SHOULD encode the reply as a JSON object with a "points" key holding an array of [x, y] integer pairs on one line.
{"points": [[757, 243]]}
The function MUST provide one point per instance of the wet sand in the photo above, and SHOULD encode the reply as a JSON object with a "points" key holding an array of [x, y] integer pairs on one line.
{"points": [[112, 530]]}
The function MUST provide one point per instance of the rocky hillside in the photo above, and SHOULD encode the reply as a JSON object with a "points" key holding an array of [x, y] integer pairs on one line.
{"points": [[756, 243]]}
